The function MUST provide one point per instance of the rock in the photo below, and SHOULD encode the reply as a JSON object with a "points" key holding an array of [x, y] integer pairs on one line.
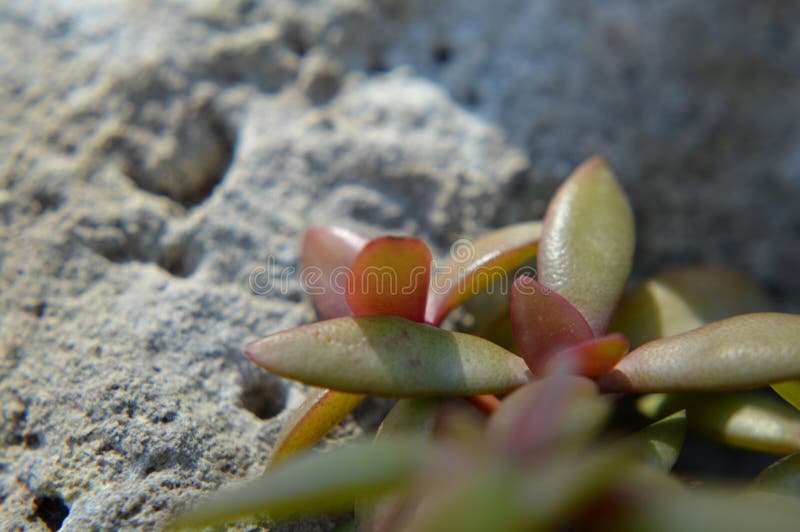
{"points": [[160, 160]]}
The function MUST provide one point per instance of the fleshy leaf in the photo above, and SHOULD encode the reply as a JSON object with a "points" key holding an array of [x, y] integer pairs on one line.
{"points": [[472, 267], [410, 417], [593, 357], [587, 243], [747, 420], [681, 300], [659, 444], [389, 356], [790, 391], [320, 412], [556, 412], [736, 353], [327, 254], [781, 477], [390, 277], [544, 323], [316, 483]]}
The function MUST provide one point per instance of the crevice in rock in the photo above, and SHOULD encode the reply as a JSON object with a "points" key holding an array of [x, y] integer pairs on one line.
{"points": [[50, 510], [180, 258]]}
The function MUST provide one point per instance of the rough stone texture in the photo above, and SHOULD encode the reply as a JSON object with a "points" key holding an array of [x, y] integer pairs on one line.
{"points": [[154, 154]]}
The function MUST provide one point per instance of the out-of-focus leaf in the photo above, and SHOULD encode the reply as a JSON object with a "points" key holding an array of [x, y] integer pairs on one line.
{"points": [[320, 412], [594, 357], [587, 243], [747, 420], [486, 498], [701, 510], [736, 353], [474, 266], [781, 477], [327, 254], [790, 391], [659, 444], [316, 483], [390, 277], [389, 356], [556, 413], [410, 417], [544, 323], [684, 299]]}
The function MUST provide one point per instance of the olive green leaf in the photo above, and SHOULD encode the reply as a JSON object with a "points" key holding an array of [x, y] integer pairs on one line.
{"points": [[659, 443], [389, 356], [316, 483], [790, 391], [747, 420], [684, 299], [781, 477], [472, 267], [742, 352], [320, 412], [587, 243]]}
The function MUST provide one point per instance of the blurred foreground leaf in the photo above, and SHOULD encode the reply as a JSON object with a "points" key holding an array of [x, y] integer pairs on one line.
{"points": [[316, 483]]}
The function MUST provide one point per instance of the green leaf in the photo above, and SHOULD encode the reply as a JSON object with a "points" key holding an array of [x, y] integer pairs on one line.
{"points": [[790, 391], [746, 420], [390, 277], [781, 477], [316, 483], [659, 444], [474, 266], [327, 254], [736, 353], [587, 243], [389, 356], [681, 300], [320, 412], [410, 417]]}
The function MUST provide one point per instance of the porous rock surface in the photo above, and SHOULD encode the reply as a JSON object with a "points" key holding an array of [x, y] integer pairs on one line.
{"points": [[158, 161]]}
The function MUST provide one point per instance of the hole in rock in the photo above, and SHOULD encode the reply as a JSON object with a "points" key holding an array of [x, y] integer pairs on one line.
{"points": [[441, 54], [184, 164], [50, 510], [263, 395], [181, 258]]}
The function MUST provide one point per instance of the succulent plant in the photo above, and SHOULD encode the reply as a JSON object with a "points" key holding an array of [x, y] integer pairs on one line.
{"points": [[539, 458]]}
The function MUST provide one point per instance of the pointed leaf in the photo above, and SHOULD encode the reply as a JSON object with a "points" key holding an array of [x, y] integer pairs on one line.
{"points": [[327, 254], [553, 413], [474, 266], [389, 356], [410, 417], [659, 444], [781, 477], [390, 277], [681, 300], [320, 412], [544, 323], [736, 353], [316, 483], [747, 420], [586, 249], [593, 357], [790, 391]]}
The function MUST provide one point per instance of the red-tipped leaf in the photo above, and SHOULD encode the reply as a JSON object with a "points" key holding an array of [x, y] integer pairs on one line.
{"points": [[390, 277], [327, 254], [593, 357], [544, 323]]}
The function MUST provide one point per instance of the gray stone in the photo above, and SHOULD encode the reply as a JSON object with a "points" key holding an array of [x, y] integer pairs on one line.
{"points": [[160, 160]]}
